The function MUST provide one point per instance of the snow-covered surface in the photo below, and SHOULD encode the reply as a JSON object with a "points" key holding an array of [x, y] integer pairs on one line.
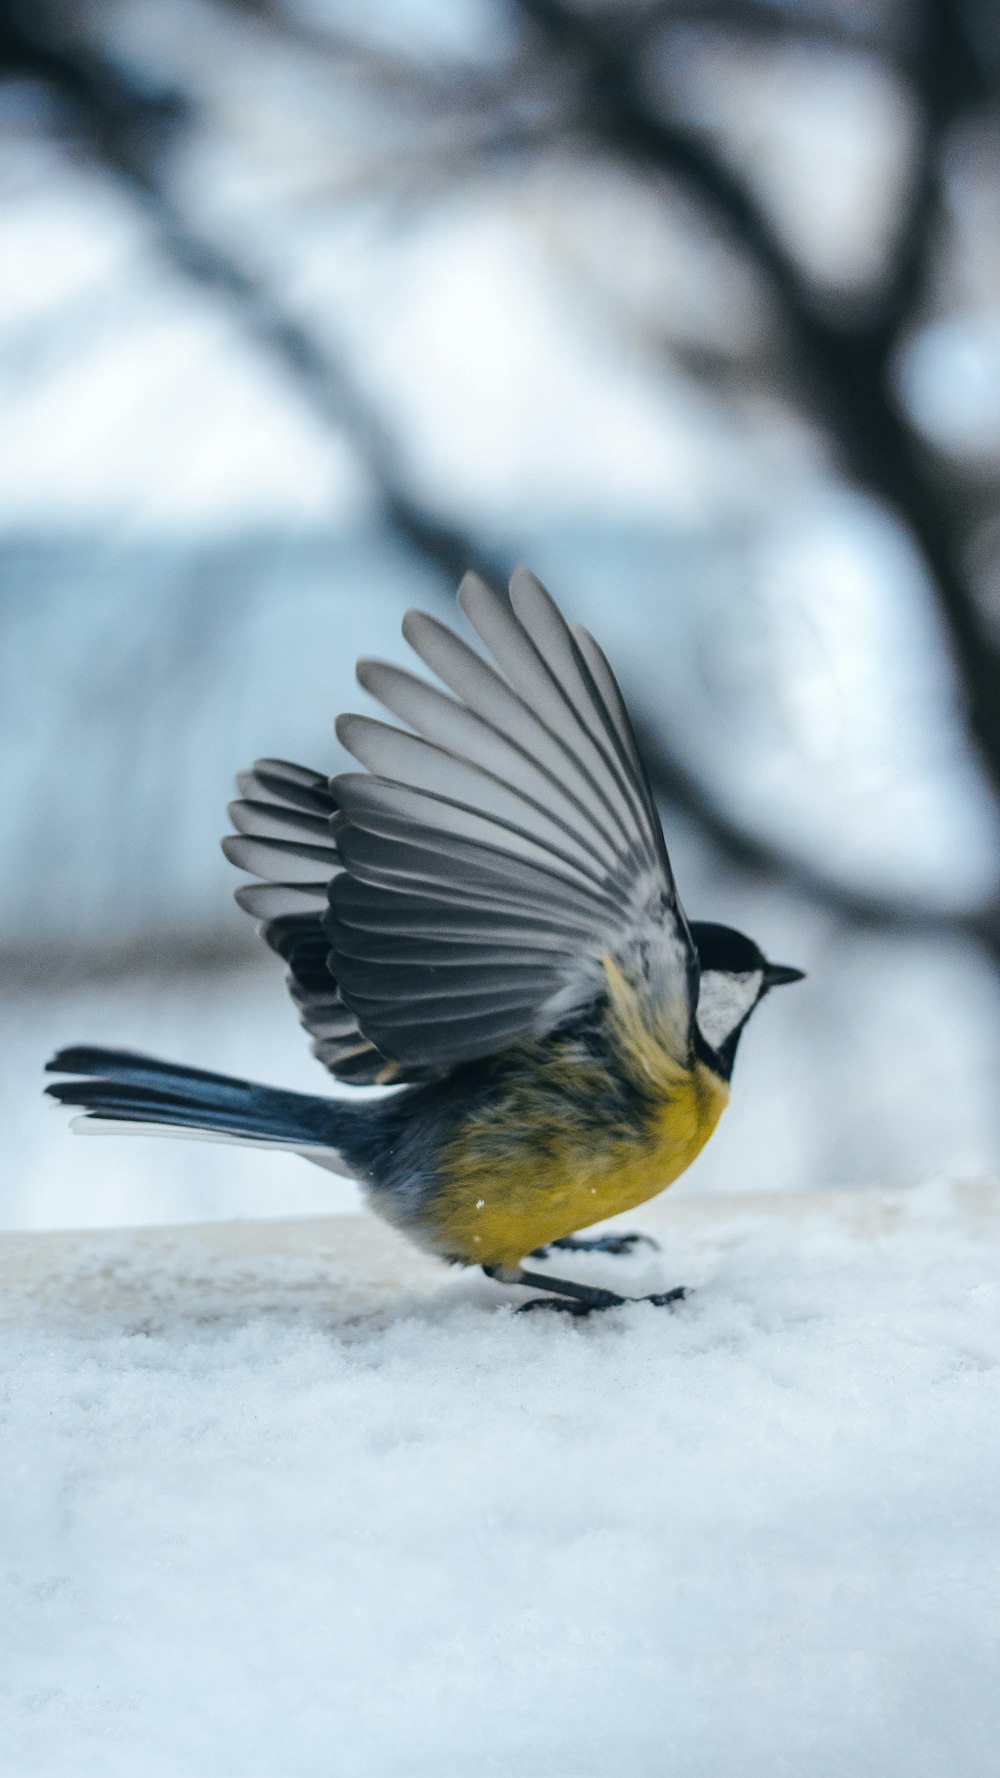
{"points": [[289, 1500]]}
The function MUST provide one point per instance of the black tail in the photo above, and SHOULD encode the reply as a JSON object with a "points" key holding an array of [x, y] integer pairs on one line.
{"points": [[115, 1086]]}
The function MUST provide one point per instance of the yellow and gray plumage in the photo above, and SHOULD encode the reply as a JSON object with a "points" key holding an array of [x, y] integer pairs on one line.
{"points": [[486, 918]]}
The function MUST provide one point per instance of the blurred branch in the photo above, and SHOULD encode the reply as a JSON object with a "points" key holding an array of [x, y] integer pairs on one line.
{"points": [[767, 21], [845, 366], [457, 85], [761, 859], [130, 128], [845, 362], [478, 114]]}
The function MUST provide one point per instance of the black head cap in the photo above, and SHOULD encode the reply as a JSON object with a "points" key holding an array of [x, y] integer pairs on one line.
{"points": [[723, 948], [735, 976]]}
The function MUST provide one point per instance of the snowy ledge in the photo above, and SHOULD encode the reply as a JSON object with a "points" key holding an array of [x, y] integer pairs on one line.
{"points": [[287, 1499]]}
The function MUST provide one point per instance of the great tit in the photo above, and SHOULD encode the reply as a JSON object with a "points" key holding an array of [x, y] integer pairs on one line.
{"points": [[484, 920]]}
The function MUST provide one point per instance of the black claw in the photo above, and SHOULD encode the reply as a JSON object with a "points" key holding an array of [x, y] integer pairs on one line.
{"points": [[564, 1304], [617, 1244], [573, 1298], [661, 1299]]}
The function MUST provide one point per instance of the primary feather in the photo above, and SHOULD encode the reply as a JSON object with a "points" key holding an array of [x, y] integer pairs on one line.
{"points": [[470, 884]]}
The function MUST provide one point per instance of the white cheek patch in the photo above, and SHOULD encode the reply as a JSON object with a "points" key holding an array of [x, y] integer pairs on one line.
{"points": [[724, 999]]}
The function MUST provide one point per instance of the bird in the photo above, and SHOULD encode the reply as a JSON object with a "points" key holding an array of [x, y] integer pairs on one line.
{"points": [[483, 921]]}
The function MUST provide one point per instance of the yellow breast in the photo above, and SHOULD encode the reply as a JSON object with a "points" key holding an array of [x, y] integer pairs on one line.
{"points": [[501, 1199]]}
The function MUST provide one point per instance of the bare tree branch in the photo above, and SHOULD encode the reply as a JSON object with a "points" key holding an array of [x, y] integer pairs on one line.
{"points": [[760, 858], [129, 128], [844, 363]]}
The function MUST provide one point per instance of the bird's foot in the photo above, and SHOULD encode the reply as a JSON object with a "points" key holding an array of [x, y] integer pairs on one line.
{"points": [[577, 1299], [596, 1244], [661, 1299]]}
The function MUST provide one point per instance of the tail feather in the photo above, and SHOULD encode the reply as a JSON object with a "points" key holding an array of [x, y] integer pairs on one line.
{"points": [[120, 1088], [89, 1058]]}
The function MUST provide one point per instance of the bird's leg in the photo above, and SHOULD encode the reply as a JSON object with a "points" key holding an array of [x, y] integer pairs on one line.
{"points": [[573, 1298], [596, 1244]]}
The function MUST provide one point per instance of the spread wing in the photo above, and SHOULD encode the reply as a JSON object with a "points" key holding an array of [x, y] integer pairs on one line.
{"points": [[462, 892], [496, 854]]}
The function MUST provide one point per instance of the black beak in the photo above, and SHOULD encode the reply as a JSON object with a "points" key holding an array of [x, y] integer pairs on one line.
{"points": [[777, 974]]}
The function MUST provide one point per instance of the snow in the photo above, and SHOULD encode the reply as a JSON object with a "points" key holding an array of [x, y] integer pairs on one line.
{"points": [[290, 1499]]}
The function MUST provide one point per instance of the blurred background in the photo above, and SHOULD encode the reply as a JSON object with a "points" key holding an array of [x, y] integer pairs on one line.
{"points": [[694, 308]]}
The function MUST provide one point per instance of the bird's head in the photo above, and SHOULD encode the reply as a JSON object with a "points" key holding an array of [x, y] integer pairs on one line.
{"points": [[735, 976]]}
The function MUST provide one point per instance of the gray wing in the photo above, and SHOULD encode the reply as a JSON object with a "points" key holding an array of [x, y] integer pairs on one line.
{"points": [[283, 821], [494, 856]]}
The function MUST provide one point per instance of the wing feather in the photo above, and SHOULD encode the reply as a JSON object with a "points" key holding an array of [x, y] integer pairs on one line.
{"points": [[277, 861], [278, 781], [414, 860], [489, 696], [450, 725], [496, 623], [389, 753], [609, 726], [487, 860], [273, 901], [272, 821], [284, 830]]}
